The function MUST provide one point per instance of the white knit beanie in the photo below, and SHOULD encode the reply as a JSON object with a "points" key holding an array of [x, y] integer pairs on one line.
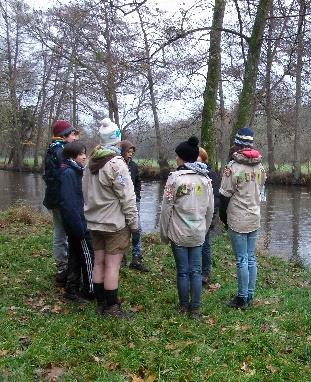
{"points": [[109, 132]]}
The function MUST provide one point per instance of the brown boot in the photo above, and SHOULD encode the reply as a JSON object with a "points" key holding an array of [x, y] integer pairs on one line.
{"points": [[116, 311]]}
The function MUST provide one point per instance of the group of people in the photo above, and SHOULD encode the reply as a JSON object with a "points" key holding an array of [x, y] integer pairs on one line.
{"points": [[95, 208]]}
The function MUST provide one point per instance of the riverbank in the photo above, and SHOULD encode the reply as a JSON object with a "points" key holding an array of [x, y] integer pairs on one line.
{"points": [[44, 338], [151, 171]]}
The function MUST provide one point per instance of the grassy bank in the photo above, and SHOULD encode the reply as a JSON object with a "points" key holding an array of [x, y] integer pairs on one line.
{"points": [[44, 338]]}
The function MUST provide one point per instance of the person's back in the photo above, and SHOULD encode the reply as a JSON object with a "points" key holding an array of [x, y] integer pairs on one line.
{"points": [[192, 212], [186, 215], [239, 210], [246, 176]]}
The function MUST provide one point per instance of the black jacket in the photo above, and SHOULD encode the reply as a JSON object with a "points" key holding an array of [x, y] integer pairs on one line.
{"points": [[71, 199], [52, 162], [216, 185], [134, 171]]}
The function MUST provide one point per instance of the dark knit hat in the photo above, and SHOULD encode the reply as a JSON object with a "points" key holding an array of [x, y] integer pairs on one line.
{"points": [[188, 151], [125, 146], [62, 128], [244, 137]]}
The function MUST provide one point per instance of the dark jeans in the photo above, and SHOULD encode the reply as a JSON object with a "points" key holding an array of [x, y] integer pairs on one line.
{"points": [[80, 259], [207, 256], [136, 238], [188, 271]]}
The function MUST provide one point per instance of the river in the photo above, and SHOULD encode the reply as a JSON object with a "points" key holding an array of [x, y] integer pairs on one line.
{"points": [[286, 214]]}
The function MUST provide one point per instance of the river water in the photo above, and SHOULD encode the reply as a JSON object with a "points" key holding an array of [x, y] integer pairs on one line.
{"points": [[286, 214]]}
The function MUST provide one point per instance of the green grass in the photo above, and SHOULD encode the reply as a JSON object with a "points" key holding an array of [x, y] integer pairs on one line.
{"points": [[43, 338]]}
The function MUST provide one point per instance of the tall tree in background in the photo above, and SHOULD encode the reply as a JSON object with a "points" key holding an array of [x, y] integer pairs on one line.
{"points": [[298, 95], [246, 104], [162, 158], [210, 93]]}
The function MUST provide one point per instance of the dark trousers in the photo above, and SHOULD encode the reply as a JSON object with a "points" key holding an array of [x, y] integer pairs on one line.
{"points": [[80, 260]]}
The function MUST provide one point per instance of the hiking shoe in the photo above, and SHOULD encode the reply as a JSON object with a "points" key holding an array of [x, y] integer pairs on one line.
{"points": [[182, 309], [194, 314], [205, 280], [139, 266], [115, 311], [238, 302], [74, 297], [60, 279], [250, 300]]}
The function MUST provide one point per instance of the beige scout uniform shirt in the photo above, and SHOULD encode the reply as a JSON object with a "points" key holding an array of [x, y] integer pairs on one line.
{"points": [[109, 197], [241, 183], [187, 208]]}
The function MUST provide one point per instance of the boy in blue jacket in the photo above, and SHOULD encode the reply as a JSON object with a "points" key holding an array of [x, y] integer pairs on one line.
{"points": [[81, 255]]}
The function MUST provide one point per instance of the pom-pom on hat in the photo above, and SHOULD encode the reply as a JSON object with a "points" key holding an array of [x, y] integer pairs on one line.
{"points": [[61, 128], [188, 151], [244, 137], [109, 132]]}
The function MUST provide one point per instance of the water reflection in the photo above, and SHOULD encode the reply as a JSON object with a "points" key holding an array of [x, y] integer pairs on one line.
{"points": [[286, 215]]}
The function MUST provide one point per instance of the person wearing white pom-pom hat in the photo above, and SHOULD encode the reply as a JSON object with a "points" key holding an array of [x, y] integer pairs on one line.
{"points": [[111, 215]]}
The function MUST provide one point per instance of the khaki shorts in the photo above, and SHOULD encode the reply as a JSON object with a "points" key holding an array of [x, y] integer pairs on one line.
{"points": [[113, 243]]}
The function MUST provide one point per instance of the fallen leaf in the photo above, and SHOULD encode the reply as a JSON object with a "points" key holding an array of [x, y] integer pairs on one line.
{"points": [[52, 375], [265, 327], [169, 346], [95, 358], [131, 345], [137, 308], [272, 369], [211, 321], [214, 286], [112, 366], [151, 378], [3, 352], [244, 366], [309, 340], [136, 378], [56, 309]]}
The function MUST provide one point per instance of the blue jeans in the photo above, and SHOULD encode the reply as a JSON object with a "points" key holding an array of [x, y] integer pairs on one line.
{"points": [[243, 245], [206, 256], [188, 272]]}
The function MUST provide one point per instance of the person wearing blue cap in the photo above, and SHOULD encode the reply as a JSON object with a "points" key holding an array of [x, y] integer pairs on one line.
{"points": [[239, 210]]}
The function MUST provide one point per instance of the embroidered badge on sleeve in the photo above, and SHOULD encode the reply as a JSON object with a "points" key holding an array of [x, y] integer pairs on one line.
{"points": [[227, 171], [121, 180]]}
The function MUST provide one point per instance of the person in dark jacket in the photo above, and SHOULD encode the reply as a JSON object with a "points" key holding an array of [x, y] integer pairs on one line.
{"points": [[63, 133], [81, 255], [207, 248], [127, 151]]}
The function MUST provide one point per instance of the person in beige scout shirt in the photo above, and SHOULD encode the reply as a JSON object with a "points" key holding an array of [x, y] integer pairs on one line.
{"points": [[186, 215], [111, 215], [243, 178]]}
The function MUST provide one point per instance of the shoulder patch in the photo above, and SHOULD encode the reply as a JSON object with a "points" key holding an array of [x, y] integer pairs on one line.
{"points": [[227, 171], [121, 180]]}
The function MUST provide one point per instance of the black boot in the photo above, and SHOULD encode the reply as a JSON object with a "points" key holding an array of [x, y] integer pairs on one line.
{"points": [[138, 264], [73, 295], [238, 302], [60, 279], [99, 292], [113, 306]]}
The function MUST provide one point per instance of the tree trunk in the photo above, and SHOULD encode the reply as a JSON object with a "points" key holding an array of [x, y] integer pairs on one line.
{"points": [[268, 105], [298, 96], [208, 134], [247, 97], [162, 158]]}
